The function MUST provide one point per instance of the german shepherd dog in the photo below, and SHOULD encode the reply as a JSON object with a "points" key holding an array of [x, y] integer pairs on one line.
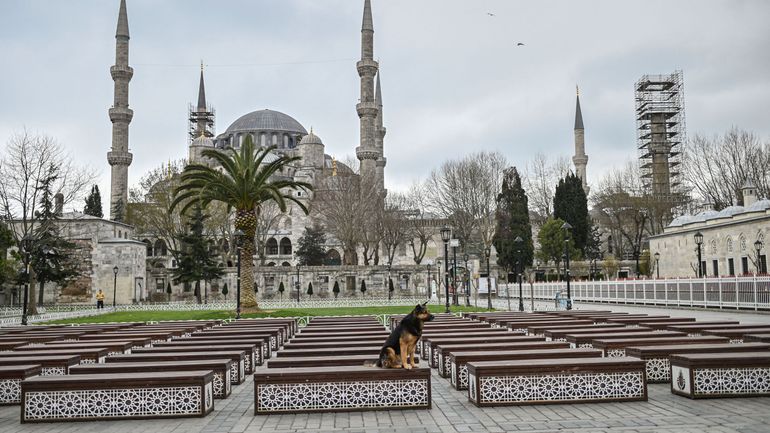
{"points": [[402, 341]]}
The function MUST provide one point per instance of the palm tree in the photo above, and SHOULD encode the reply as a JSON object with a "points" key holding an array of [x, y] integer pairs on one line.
{"points": [[241, 180]]}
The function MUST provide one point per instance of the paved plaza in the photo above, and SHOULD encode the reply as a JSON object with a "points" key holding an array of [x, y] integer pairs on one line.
{"points": [[452, 412]]}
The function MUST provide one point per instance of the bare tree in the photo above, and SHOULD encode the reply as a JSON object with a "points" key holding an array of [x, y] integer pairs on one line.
{"points": [[268, 220], [421, 226], [395, 228], [540, 178], [716, 168]]}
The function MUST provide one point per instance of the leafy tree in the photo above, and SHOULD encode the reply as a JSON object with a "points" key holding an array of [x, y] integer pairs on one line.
{"points": [[512, 222], [571, 205], [281, 289], [551, 238], [225, 291], [390, 288], [363, 287], [312, 250], [196, 261], [94, 203], [310, 289], [336, 289], [8, 267], [243, 180]]}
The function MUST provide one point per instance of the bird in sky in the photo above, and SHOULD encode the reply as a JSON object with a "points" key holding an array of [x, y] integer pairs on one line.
{"points": [[490, 14], [520, 44]]}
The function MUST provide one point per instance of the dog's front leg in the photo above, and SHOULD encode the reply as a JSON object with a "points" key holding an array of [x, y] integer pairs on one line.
{"points": [[404, 354], [411, 354]]}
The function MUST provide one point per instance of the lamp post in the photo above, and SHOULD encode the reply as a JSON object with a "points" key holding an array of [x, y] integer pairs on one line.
{"points": [[455, 299], [388, 283], [489, 280], [114, 285], [238, 234], [657, 264], [758, 248], [27, 243], [297, 284], [519, 241], [446, 233], [699, 242], [466, 282], [429, 289], [567, 227]]}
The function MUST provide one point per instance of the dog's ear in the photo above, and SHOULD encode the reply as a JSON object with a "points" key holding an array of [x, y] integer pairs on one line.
{"points": [[425, 303]]}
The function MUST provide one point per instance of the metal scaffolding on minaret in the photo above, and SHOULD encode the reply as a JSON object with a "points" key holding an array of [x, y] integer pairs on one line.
{"points": [[200, 116], [660, 132], [119, 157]]}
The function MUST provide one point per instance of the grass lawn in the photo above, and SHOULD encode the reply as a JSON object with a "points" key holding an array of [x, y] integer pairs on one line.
{"points": [[146, 316]]}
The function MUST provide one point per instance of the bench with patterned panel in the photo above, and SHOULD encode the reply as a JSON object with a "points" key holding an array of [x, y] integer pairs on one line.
{"points": [[540, 330], [100, 397], [716, 375], [11, 377], [586, 339], [113, 347], [221, 383], [617, 346], [329, 389], [445, 350], [88, 355], [736, 335], [434, 357], [274, 334], [324, 361], [237, 370], [565, 380], [333, 350], [656, 356], [51, 364], [252, 358]]}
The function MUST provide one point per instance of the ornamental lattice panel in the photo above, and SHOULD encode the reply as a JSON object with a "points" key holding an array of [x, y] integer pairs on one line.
{"points": [[658, 369], [561, 387], [116, 403], [10, 391], [314, 396], [614, 353], [53, 371], [731, 381]]}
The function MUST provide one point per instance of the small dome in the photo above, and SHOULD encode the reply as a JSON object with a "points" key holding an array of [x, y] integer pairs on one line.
{"points": [[681, 220], [202, 141], [761, 205], [311, 138], [705, 215], [730, 211]]}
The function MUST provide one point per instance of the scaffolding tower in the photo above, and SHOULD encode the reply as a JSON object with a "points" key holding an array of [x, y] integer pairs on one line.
{"points": [[201, 122], [660, 132]]}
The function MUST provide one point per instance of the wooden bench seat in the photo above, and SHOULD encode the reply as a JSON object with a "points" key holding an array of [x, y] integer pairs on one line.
{"points": [[154, 336], [11, 377], [100, 397], [326, 389], [348, 330], [274, 337], [88, 355], [430, 343], [237, 371], [561, 334], [263, 341], [539, 330], [458, 360], [281, 331], [611, 347], [324, 361], [300, 345], [523, 325], [50, 364], [716, 375], [761, 338], [444, 350], [657, 362], [135, 342], [666, 325], [636, 320], [372, 350], [250, 363], [339, 337], [113, 347], [249, 351], [698, 328], [565, 380], [586, 339], [222, 385], [735, 334]]}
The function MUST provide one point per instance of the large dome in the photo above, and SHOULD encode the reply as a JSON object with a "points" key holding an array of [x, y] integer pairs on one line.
{"points": [[266, 120]]}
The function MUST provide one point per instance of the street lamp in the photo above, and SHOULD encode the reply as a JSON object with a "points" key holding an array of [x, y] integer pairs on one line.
{"points": [[388, 284], [429, 289], [114, 285], [758, 248], [466, 283], [297, 284], [455, 299], [657, 264], [238, 234], [446, 233], [27, 243], [489, 280], [567, 227], [699, 242], [519, 241]]}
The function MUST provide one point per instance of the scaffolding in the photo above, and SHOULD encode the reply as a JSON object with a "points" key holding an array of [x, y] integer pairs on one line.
{"points": [[660, 132], [200, 122]]}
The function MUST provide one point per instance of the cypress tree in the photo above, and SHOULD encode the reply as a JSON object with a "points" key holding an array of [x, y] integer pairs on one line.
{"points": [[225, 291], [512, 222], [336, 289], [390, 288], [311, 250], [310, 289], [94, 203], [363, 287], [571, 205], [195, 261], [281, 289]]}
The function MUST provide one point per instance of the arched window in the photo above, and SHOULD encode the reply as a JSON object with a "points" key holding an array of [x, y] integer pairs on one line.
{"points": [[332, 258], [275, 139], [160, 248], [729, 244], [263, 139], [713, 246], [271, 247], [285, 264], [286, 141], [148, 244], [271, 264], [120, 234], [285, 247], [743, 243]]}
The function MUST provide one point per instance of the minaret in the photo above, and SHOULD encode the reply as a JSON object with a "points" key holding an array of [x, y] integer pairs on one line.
{"points": [[379, 136], [201, 116], [367, 151], [120, 115], [580, 159]]}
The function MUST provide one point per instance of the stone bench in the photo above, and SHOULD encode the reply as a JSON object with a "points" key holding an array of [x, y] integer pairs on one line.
{"points": [[734, 334], [657, 362], [458, 360], [50, 364], [251, 361], [565, 380], [113, 347], [716, 375], [612, 347], [331, 351], [100, 397], [332, 389], [444, 350], [88, 355], [237, 370], [432, 355], [11, 377], [221, 381], [324, 361], [586, 339], [263, 342]]}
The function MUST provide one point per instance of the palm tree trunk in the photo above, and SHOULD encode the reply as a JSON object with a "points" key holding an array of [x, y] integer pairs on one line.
{"points": [[246, 221]]}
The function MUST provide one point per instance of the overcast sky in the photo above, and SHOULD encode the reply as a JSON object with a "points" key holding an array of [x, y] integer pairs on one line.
{"points": [[453, 78]]}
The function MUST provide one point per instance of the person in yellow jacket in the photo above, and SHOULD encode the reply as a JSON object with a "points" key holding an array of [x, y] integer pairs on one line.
{"points": [[100, 299]]}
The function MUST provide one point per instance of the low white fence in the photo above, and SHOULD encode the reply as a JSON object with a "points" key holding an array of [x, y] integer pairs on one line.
{"points": [[751, 292]]}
